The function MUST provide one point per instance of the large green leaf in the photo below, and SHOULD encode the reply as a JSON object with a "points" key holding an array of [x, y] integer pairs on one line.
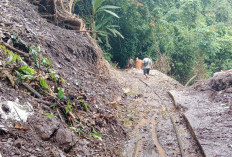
{"points": [[112, 13], [102, 23], [27, 70], [49, 115], [97, 135], [60, 93], [115, 32], [107, 7], [43, 83], [96, 4]]}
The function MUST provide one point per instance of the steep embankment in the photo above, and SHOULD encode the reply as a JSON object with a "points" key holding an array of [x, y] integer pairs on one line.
{"points": [[88, 89]]}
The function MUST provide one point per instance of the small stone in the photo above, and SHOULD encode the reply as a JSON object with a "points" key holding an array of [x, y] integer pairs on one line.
{"points": [[17, 144], [5, 108], [17, 152]]}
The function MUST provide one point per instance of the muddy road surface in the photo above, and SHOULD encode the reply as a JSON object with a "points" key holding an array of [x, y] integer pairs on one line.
{"points": [[156, 128]]}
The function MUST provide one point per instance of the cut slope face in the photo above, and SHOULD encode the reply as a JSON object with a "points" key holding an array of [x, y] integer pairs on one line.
{"points": [[207, 108], [76, 60]]}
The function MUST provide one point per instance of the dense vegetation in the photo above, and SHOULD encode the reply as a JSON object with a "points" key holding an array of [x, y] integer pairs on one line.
{"points": [[193, 37]]}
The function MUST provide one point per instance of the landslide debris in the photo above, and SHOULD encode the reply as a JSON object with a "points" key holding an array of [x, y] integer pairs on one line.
{"points": [[63, 76], [60, 13]]}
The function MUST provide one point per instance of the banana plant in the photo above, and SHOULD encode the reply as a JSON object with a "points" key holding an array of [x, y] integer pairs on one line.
{"points": [[100, 21]]}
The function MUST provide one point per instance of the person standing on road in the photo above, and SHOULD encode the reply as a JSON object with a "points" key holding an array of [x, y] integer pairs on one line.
{"points": [[138, 64], [131, 63], [147, 65]]}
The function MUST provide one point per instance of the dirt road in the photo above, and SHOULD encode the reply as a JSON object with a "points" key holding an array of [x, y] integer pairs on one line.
{"points": [[155, 127]]}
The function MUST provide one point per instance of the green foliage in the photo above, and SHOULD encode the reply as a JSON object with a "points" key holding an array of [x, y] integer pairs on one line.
{"points": [[62, 80], [12, 56], [38, 59], [53, 77], [46, 62], [43, 83], [60, 94], [23, 77], [85, 105], [26, 70], [68, 107], [77, 130], [96, 135], [35, 54], [49, 115], [188, 32], [99, 18]]}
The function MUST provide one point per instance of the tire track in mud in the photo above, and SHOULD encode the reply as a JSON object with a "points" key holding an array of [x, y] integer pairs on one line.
{"points": [[151, 130], [138, 147], [173, 120]]}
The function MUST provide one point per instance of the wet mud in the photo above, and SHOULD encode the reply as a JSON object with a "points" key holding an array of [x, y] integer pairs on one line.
{"points": [[207, 109], [156, 127]]}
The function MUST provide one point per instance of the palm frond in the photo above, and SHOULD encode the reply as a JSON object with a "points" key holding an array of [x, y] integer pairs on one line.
{"points": [[112, 13], [102, 23], [96, 4], [116, 33], [108, 7]]}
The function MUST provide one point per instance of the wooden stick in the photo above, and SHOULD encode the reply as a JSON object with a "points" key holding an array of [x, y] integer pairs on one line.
{"points": [[87, 31], [60, 115], [46, 15], [190, 80], [72, 115], [32, 90], [15, 50], [42, 101]]}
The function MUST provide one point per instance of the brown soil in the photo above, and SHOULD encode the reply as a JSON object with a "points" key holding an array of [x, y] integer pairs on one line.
{"points": [[207, 108], [155, 127], [80, 63], [122, 105]]}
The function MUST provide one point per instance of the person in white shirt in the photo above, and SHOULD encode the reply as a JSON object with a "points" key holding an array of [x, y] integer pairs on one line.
{"points": [[147, 65]]}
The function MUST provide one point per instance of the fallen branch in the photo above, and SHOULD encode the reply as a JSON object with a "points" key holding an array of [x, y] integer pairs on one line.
{"points": [[60, 115], [87, 31], [42, 101], [72, 115], [32, 90], [15, 50], [6, 73], [190, 80], [46, 15]]}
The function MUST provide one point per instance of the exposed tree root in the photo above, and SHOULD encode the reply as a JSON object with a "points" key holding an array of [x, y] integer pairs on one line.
{"points": [[15, 50], [60, 12]]}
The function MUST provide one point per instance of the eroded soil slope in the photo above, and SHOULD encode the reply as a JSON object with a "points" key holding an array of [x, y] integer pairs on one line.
{"points": [[79, 63]]}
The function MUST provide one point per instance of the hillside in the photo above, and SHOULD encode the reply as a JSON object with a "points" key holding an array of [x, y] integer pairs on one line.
{"points": [[60, 97], [77, 61]]}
